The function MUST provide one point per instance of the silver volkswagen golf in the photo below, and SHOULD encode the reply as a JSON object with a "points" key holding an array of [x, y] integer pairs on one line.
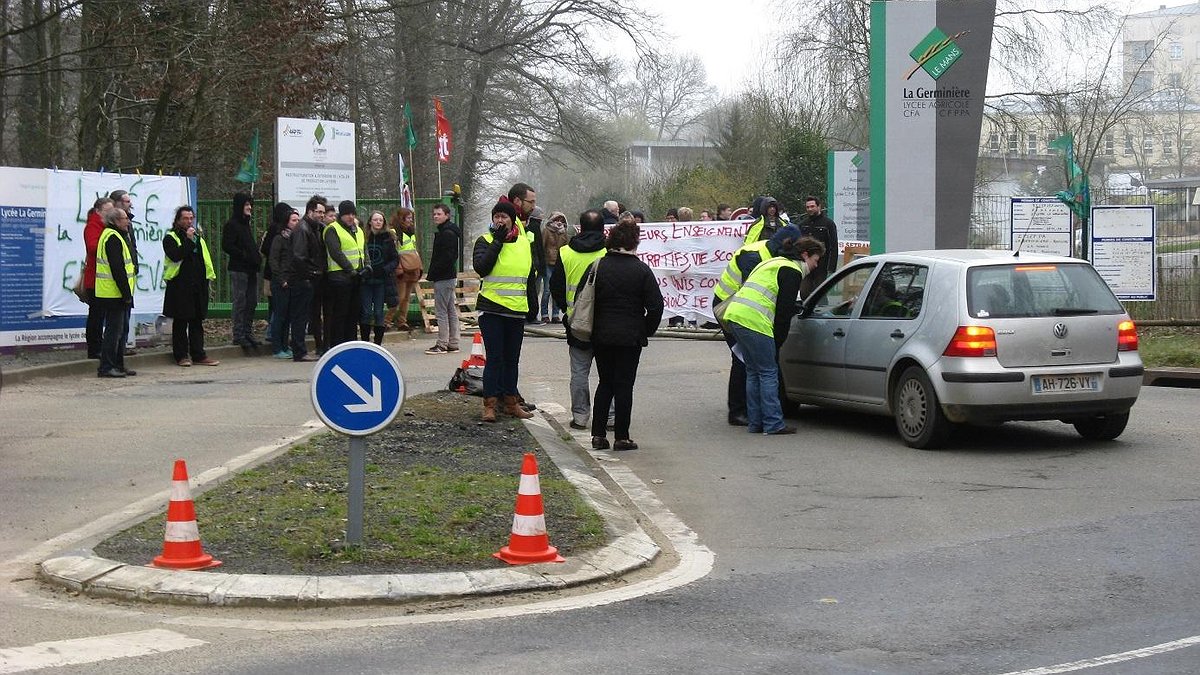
{"points": [[939, 338]]}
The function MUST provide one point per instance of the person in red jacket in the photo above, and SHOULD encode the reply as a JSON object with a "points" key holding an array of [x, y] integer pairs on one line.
{"points": [[94, 332]]}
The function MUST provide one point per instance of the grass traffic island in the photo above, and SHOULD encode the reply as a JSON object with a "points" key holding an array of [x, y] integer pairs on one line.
{"points": [[439, 497], [1169, 346]]}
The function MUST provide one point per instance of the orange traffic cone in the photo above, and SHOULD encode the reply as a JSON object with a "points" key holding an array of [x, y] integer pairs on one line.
{"points": [[181, 543], [529, 542], [478, 358]]}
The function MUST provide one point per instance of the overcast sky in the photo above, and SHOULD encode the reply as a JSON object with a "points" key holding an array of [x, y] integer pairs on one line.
{"points": [[729, 36]]}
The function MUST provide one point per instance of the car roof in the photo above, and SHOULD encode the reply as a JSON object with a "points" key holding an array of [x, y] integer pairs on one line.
{"points": [[970, 256]]}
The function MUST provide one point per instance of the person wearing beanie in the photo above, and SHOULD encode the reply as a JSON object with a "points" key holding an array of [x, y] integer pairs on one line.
{"points": [[345, 253], [573, 259], [244, 260], [759, 315], [554, 237], [504, 259]]}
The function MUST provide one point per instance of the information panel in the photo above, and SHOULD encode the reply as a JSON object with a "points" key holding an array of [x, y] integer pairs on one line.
{"points": [[1123, 250], [314, 157], [1039, 225]]}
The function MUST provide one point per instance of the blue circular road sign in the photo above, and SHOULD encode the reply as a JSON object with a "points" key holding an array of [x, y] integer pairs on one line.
{"points": [[357, 388]]}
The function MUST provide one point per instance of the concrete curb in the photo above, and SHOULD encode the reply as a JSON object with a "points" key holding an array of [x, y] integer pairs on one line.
{"points": [[630, 548], [1171, 377]]}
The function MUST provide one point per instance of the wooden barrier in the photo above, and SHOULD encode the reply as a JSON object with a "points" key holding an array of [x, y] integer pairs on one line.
{"points": [[465, 291]]}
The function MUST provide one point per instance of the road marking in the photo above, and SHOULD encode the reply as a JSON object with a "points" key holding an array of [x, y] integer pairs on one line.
{"points": [[93, 649], [1112, 658]]}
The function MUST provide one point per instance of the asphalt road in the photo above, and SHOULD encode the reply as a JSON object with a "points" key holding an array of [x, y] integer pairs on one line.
{"points": [[837, 551]]}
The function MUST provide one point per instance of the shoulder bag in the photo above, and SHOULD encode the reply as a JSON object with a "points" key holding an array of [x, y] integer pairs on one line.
{"points": [[583, 311]]}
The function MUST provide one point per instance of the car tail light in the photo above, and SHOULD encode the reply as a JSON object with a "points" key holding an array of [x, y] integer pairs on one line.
{"points": [[972, 341], [1126, 336]]}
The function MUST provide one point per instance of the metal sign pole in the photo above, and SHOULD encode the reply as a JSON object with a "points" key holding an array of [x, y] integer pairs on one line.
{"points": [[358, 471]]}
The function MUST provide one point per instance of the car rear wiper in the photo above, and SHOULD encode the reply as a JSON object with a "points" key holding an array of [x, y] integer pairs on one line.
{"points": [[1073, 311]]}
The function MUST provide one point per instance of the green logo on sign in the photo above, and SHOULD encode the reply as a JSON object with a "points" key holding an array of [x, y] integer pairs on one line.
{"points": [[936, 53], [319, 133], [856, 159]]}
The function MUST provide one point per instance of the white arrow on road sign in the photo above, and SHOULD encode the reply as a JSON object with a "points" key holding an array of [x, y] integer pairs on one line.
{"points": [[371, 402]]}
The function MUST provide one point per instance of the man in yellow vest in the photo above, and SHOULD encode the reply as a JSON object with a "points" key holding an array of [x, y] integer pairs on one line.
{"points": [[758, 316], [573, 260], [345, 252], [114, 291], [503, 258], [768, 223]]}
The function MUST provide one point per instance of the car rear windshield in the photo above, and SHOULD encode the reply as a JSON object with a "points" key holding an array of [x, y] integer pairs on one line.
{"points": [[1038, 289]]}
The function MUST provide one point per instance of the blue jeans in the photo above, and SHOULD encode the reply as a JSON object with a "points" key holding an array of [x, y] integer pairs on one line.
{"points": [[502, 338], [763, 409], [279, 317], [372, 304], [547, 300]]}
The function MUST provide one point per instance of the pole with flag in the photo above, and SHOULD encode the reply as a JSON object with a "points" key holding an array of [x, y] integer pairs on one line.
{"points": [[248, 171], [1078, 195], [410, 136], [443, 139]]}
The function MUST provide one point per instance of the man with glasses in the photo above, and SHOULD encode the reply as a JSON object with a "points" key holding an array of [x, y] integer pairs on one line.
{"points": [[314, 220]]}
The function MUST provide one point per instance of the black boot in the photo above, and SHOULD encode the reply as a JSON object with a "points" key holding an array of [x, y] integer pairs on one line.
{"points": [[364, 331], [378, 335]]}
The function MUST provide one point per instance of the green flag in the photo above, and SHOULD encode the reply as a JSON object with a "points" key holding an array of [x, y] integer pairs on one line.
{"points": [[248, 172], [408, 129], [1078, 195]]}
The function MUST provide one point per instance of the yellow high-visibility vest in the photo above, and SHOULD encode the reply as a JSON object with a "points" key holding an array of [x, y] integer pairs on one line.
{"points": [[506, 284], [353, 247], [753, 306], [106, 285], [171, 268], [574, 265], [731, 279]]}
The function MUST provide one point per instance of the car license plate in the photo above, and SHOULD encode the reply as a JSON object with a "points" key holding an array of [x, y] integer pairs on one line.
{"points": [[1066, 384]]}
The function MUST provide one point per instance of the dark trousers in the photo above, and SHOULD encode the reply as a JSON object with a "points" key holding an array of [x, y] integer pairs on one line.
{"points": [[316, 326], [300, 294], [112, 346], [280, 320], [342, 305], [617, 368], [243, 290], [735, 396], [502, 339], [187, 339], [94, 332]]}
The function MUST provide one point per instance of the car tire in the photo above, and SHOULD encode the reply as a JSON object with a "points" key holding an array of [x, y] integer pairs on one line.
{"points": [[1102, 427], [918, 414]]}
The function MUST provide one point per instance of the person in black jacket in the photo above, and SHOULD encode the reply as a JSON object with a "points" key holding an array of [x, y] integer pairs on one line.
{"points": [[279, 259], [443, 274], [819, 226], [237, 241], [628, 308]]}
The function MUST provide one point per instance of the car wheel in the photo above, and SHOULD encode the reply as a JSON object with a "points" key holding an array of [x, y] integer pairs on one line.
{"points": [[919, 417], [1102, 427]]}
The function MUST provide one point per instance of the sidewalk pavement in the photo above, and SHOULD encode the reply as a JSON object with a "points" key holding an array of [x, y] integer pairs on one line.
{"points": [[630, 548]]}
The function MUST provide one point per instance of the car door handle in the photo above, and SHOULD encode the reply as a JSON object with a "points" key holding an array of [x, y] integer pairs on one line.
{"points": [[897, 333], [838, 332]]}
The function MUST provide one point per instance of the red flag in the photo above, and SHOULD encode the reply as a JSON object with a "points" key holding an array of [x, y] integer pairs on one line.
{"points": [[443, 133]]}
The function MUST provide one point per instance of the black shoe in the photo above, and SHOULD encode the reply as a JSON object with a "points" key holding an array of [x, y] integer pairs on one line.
{"points": [[526, 405], [121, 373], [599, 443], [130, 373], [576, 425], [738, 421], [780, 432], [624, 444]]}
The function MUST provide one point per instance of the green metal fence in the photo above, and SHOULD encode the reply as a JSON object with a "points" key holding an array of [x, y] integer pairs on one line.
{"points": [[1177, 259], [212, 215]]}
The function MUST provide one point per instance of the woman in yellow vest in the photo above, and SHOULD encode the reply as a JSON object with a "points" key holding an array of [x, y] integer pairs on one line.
{"points": [[758, 316], [188, 269], [503, 259]]}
